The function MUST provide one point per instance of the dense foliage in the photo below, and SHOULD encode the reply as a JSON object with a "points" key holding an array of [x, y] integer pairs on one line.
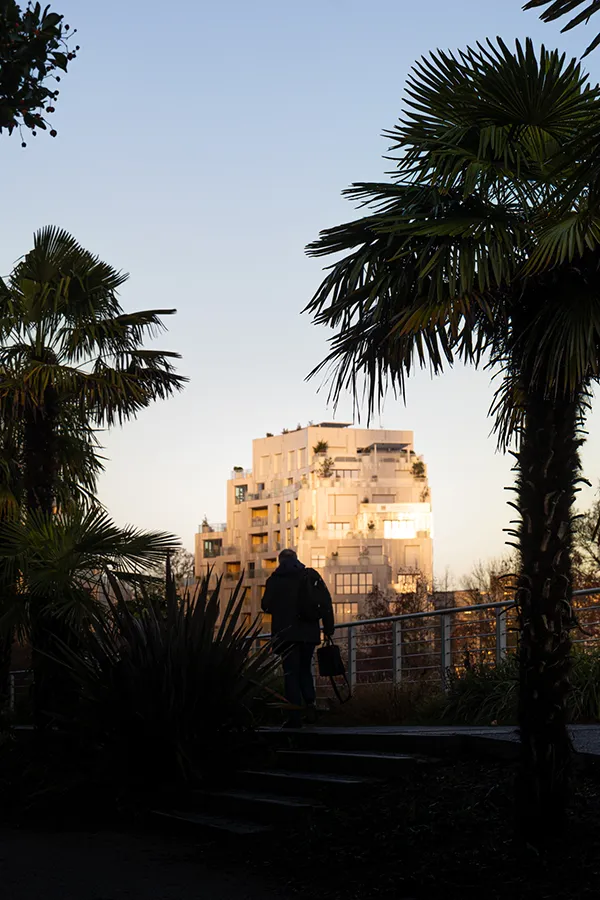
{"points": [[171, 687], [33, 49]]}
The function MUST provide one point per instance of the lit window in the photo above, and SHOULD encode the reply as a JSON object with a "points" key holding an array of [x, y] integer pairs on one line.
{"points": [[240, 492], [318, 560], [347, 473], [399, 529], [354, 583], [407, 584], [345, 611], [338, 528]]}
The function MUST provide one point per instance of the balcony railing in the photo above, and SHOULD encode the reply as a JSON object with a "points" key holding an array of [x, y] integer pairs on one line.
{"points": [[259, 521], [259, 495], [241, 473], [259, 548], [213, 553], [212, 527]]}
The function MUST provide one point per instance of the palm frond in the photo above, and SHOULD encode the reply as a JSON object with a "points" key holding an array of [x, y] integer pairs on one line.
{"points": [[556, 9]]}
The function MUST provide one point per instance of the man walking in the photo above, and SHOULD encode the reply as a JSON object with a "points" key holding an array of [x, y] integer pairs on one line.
{"points": [[297, 598]]}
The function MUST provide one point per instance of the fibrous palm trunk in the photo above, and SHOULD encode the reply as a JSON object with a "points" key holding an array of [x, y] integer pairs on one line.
{"points": [[40, 472], [548, 466]]}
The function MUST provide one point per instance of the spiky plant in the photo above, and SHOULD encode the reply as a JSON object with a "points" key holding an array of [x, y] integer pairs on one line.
{"points": [[170, 688]]}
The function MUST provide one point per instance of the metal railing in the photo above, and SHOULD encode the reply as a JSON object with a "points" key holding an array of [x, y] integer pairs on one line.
{"points": [[416, 647], [259, 521], [212, 527], [428, 645]]}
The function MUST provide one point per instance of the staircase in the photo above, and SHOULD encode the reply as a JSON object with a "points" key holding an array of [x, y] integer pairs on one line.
{"points": [[311, 770]]}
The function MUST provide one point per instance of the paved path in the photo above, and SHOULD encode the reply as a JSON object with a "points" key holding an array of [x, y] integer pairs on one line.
{"points": [[586, 738], [87, 866]]}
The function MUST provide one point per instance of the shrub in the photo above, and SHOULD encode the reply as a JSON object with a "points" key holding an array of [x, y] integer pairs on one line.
{"points": [[482, 694], [408, 703], [320, 447]]}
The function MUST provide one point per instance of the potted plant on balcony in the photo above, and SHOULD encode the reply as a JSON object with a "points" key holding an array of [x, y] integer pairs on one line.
{"points": [[320, 448], [310, 526], [418, 469], [371, 526], [326, 468]]}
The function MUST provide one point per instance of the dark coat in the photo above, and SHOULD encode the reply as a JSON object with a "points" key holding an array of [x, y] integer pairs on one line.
{"points": [[280, 600]]}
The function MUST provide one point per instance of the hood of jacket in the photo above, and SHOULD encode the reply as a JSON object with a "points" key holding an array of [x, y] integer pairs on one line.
{"points": [[289, 568]]}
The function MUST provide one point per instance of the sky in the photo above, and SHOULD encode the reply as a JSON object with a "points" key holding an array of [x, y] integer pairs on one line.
{"points": [[201, 146]]}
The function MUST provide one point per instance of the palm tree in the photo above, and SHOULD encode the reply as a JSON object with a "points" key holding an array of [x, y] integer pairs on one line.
{"points": [[71, 359], [468, 253], [557, 9], [58, 566]]}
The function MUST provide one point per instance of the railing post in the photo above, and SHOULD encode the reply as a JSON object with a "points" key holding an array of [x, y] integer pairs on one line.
{"points": [[352, 657], [500, 635], [397, 652], [446, 645]]}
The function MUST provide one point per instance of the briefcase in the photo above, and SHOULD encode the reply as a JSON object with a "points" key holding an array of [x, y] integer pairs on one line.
{"points": [[331, 665], [329, 659]]}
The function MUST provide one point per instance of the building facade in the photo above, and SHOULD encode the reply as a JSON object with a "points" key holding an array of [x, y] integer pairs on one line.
{"points": [[354, 503]]}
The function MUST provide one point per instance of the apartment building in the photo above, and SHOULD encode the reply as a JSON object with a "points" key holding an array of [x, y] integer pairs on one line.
{"points": [[353, 502]]}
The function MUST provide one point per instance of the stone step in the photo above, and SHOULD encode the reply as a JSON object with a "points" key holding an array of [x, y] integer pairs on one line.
{"points": [[257, 806], [348, 762], [380, 740], [307, 784], [212, 823]]}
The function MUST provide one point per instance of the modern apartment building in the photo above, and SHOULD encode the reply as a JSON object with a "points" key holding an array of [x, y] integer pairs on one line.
{"points": [[353, 502]]}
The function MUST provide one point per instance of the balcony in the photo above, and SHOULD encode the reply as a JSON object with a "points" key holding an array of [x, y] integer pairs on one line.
{"points": [[212, 552], [259, 495], [255, 574], [260, 548], [259, 521], [241, 473], [212, 527]]}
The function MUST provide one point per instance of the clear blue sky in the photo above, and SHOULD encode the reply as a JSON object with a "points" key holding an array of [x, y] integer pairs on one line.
{"points": [[201, 146]]}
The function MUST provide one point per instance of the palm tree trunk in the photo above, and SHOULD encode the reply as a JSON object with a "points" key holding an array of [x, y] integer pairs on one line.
{"points": [[40, 452], [548, 467], [40, 474], [6, 642]]}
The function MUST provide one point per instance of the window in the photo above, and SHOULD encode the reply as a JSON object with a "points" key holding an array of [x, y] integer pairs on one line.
{"points": [[288, 510], [295, 535], [277, 463], [318, 559], [213, 548], [338, 528], [289, 482], [240, 492], [399, 529], [296, 508], [345, 611], [407, 584], [354, 583], [302, 458], [347, 473], [291, 460]]}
